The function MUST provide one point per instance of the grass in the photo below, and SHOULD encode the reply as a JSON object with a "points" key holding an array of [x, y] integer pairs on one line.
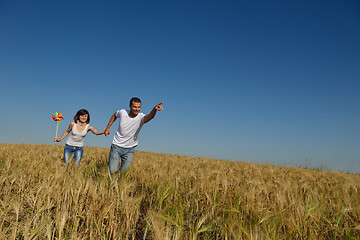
{"points": [[170, 197]]}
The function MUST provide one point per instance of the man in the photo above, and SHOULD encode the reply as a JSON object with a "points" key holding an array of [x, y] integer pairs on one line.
{"points": [[126, 137]]}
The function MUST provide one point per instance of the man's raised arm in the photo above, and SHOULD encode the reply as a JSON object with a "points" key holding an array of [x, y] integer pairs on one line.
{"points": [[152, 114]]}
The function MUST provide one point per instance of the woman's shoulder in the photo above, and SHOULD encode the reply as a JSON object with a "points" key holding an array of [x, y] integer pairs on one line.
{"points": [[72, 124]]}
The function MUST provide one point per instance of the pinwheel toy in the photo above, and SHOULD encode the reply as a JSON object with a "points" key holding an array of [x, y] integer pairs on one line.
{"points": [[57, 117]]}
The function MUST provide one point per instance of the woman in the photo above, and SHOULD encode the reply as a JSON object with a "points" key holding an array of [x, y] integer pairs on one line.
{"points": [[78, 130]]}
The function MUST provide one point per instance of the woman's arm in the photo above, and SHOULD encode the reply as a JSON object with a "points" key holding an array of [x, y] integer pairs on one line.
{"points": [[71, 125], [94, 131]]}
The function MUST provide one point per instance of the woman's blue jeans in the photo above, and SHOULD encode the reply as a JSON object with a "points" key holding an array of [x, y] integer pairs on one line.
{"points": [[77, 151], [117, 152]]}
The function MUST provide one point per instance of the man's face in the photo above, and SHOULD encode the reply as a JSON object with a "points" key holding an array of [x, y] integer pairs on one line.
{"points": [[135, 108]]}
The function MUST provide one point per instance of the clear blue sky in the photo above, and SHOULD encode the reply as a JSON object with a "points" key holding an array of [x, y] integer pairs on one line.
{"points": [[258, 81]]}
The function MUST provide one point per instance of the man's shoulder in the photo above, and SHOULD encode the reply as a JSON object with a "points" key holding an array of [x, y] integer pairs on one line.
{"points": [[121, 111]]}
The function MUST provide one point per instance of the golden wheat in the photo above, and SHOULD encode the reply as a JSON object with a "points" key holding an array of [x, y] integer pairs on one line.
{"points": [[167, 196]]}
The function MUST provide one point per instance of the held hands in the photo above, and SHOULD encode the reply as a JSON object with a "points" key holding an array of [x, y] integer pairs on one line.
{"points": [[107, 132]]}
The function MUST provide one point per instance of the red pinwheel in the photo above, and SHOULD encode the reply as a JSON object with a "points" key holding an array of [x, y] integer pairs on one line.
{"points": [[57, 117]]}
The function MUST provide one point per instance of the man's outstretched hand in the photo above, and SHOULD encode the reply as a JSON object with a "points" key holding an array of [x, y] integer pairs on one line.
{"points": [[152, 114], [159, 107]]}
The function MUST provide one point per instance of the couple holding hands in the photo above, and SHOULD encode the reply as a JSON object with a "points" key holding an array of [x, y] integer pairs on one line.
{"points": [[125, 139]]}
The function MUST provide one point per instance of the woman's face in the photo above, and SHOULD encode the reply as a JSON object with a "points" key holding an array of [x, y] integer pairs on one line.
{"points": [[83, 118]]}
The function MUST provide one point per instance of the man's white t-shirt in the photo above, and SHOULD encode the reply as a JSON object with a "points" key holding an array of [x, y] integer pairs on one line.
{"points": [[127, 134]]}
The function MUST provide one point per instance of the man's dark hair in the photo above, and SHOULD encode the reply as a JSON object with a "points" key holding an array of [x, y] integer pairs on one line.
{"points": [[135, 99]]}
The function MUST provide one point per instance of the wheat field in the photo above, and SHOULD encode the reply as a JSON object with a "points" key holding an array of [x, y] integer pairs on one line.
{"points": [[170, 197]]}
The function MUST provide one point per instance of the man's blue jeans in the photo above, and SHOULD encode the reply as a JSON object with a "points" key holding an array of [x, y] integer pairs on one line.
{"points": [[117, 152], [69, 150]]}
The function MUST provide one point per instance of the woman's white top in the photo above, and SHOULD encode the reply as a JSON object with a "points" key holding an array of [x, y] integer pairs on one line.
{"points": [[76, 138]]}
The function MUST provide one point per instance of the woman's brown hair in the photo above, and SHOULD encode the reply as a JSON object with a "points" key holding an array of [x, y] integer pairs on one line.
{"points": [[82, 112]]}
